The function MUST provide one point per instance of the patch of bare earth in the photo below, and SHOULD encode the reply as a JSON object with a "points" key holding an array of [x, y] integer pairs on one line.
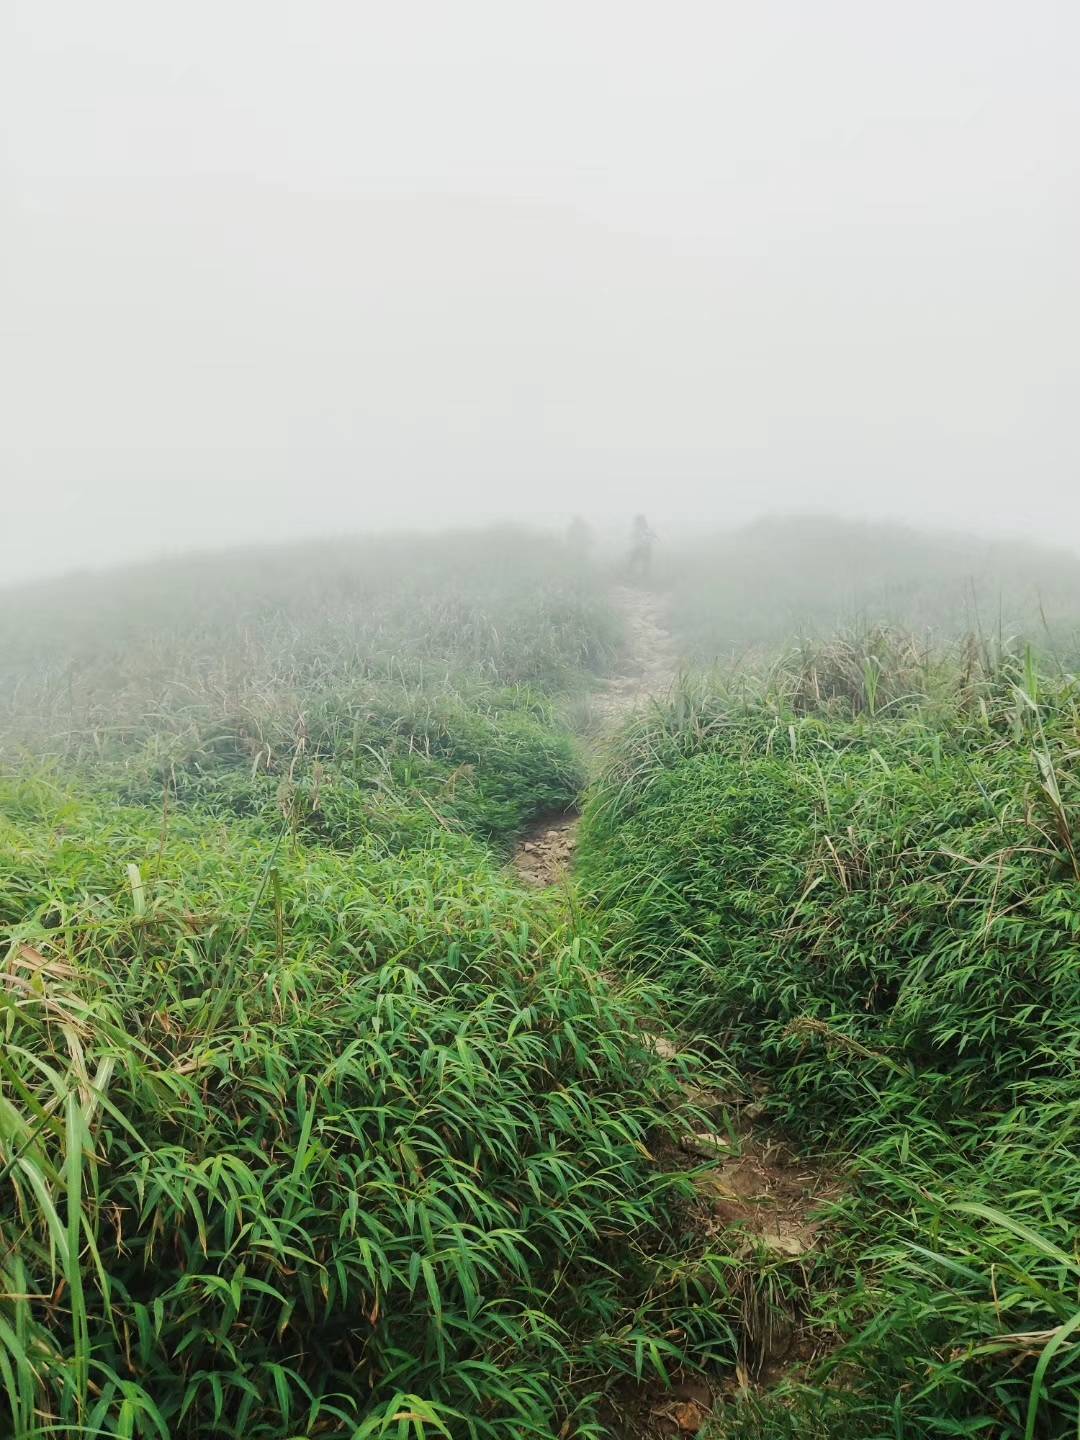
{"points": [[543, 857], [761, 1202], [764, 1190]]}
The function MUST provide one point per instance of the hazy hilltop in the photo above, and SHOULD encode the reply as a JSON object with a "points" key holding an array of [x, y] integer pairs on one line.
{"points": [[790, 576], [780, 578], [201, 638], [387, 595]]}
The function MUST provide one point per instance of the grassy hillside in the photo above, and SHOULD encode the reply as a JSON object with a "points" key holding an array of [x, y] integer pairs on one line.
{"points": [[311, 1142], [103, 662], [876, 915], [787, 578], [364, 687], [315, 1122]]}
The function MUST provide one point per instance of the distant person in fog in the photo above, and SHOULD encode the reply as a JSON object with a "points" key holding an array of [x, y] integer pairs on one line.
{"points": [[642, 539]]}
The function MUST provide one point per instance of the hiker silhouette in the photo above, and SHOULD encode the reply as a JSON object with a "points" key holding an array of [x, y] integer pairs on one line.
{"points": [[642, 539]]}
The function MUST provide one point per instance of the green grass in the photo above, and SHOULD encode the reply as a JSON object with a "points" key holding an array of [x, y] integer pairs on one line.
{"points": [[873, 909], [757, 589], [365, 689], [307, 1142], [314, 1122], [99, 667], [376, 762]]}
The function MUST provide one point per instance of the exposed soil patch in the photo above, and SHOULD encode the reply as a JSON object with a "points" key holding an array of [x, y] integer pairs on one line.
{"points": [[543, 856], [767, 1192], [761, 1201]]}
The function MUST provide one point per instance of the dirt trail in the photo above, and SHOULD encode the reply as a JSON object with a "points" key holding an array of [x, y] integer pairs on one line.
{"points": [[748, 1185], [650, 660], [544, 856]]}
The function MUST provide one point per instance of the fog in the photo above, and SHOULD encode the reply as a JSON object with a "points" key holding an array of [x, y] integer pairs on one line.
{"points": [[273, 271]]}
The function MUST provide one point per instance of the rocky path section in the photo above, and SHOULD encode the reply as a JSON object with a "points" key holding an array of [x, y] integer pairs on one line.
{"points": [[544, 856], [764, 1205], [650, 663]]}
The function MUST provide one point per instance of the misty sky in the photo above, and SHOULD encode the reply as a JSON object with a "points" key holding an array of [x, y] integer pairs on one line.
{"points": [[274, 269]]}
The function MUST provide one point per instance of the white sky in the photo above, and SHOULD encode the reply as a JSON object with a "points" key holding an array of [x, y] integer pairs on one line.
{"points": [[275, 269]]}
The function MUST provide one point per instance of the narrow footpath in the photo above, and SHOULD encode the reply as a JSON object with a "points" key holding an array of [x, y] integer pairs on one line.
{"points": [[748, 1184], [544, 856]]}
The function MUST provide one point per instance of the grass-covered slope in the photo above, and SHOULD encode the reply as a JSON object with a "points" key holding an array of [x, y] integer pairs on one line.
{"points": [[512, 603], [377, 762], [299, 1142], [879, 915], [312, 1122], [366, 688], [785, 577], [99, 666]]}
